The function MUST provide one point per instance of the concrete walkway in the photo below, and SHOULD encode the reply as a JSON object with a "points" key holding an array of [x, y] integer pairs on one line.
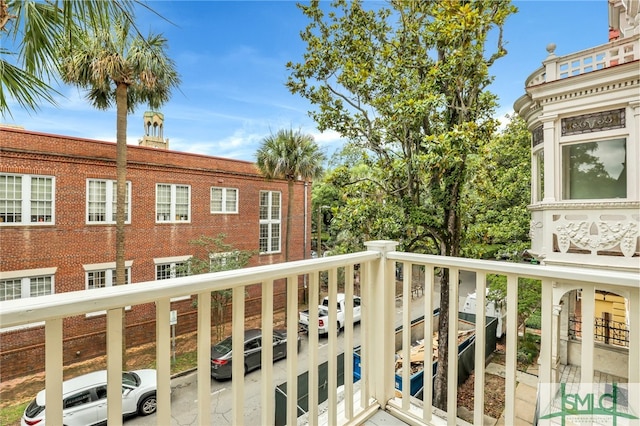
{"points": [[526, 393]]}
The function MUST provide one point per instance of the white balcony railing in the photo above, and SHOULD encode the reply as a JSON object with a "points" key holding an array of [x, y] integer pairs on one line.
{"points": [[617, 52], [375, 269]]}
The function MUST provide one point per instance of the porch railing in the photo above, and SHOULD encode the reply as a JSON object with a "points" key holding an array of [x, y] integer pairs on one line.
{"points": [[376, 273]]}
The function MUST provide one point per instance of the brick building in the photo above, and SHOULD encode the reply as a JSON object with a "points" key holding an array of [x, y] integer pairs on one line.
{"points": [[57, 229]]}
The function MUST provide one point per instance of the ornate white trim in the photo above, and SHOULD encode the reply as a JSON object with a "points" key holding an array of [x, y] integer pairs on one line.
{"points": [[610, 234]]}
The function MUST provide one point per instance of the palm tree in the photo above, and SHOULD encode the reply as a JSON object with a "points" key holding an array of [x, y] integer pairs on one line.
{"points": [[116, 67], [34, 28], [291, 156]]}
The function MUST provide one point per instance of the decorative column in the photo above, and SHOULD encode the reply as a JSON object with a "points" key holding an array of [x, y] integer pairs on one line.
{"points": [[633, 152], [555, 354]]}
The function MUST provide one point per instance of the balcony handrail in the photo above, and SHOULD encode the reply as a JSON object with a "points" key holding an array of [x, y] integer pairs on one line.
{"points": [[564, 273], [378, 287], [62, 305]]}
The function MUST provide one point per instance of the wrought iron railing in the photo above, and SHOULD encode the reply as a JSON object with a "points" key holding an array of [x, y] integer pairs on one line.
{"points": [[606, 331]]}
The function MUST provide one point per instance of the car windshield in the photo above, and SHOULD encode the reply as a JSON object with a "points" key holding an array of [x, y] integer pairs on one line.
{"points": [[33, 409], [224, 346], [130, 379]]}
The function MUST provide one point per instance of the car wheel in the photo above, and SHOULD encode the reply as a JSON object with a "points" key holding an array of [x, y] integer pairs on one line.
{"points": [[148, 405], [339, 328], [246, 369]]}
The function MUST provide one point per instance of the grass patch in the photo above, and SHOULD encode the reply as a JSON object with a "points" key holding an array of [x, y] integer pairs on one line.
{"points": [[11, 415]]}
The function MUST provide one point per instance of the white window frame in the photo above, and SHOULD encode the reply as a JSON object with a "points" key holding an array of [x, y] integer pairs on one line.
{"points": [[270, 221], [224, 200], [110, 275], [580, 140], [173, 217], [27, 217], [172, 261], [109, 207], [25, 277]]}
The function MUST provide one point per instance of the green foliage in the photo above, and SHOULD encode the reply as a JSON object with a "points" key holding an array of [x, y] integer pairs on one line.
{"points": [[291, 156], [215, 255], [528, 349], [496, 218], [36, 28], [407, 85], [529, 294]]}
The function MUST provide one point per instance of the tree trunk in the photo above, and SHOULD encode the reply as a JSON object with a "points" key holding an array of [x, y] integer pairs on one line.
{"points": [[121, 188], [451, 248]]}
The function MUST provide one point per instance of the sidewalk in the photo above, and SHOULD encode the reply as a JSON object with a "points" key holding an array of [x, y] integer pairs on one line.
{"points": [[526, 394]]}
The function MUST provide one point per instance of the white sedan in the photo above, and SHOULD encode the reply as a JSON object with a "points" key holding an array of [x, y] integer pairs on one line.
{"points": [[85, 398]]}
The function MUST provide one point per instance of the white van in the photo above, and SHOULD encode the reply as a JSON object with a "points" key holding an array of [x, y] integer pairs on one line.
{"points": [[493, 309]]}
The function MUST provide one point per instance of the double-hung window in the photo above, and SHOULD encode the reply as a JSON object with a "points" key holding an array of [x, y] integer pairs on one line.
{"points": [[22, 284], [27, 199], [173, 203], [270, 217], [224, 200], [102, 275], [101, 201], [173, 267]]}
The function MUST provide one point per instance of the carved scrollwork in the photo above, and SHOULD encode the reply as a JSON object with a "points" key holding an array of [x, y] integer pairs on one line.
{"points": [[609, 235]]}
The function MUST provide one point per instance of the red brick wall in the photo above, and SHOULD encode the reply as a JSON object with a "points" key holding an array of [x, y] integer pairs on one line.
{"points": [[70, 243]]}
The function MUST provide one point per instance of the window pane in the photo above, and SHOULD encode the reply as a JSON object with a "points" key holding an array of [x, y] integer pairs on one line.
{"points": [[96, 279], [163, 202], [182, 203], [114, 201], [163, 271], [10, 198], [264, 238], [40, 286], [540, 176], [275, 205], [232, 197], [41, 197], [216, 200], [275, 237], [10, 289], [595, 170], [114, 278], [97, 201], [264, 205]]}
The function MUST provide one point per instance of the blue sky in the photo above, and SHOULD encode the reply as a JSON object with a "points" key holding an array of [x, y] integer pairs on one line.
{"points": [[231, 56]]}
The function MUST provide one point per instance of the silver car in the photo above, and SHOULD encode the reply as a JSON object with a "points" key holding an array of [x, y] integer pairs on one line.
{"points": [[85, 398], [221, 352]]}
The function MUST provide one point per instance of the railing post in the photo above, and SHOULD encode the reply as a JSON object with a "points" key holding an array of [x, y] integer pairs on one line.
{"points": [[382, 322]]}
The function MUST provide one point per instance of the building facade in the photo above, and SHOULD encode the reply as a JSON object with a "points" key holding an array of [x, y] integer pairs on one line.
{"points": [[583, 110], [57, 230]]}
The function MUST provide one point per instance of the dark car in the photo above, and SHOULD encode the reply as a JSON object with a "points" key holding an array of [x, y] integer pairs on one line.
{"points": [[221, 352]]}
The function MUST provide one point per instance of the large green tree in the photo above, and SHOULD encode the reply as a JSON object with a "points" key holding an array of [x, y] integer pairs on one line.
{"points": [[290, 155], [408, 84], [30, 32]]}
